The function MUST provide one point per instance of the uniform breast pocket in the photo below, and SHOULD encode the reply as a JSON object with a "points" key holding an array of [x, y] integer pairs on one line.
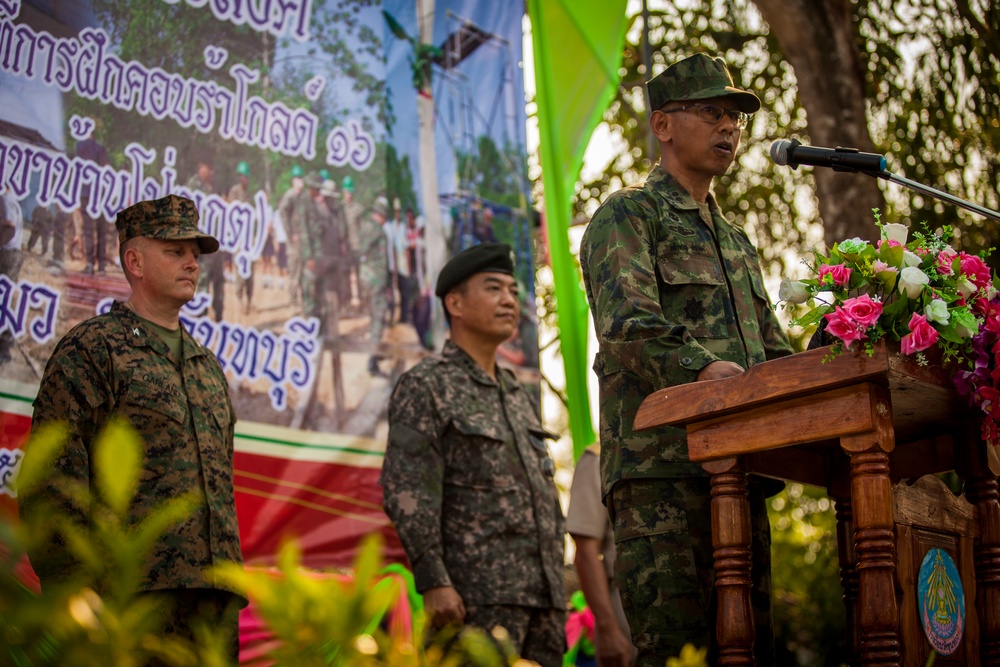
{"points": [[480, 454], [152, 406], [695, 295]]}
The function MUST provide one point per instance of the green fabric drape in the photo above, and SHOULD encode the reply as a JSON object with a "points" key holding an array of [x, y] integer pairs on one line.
{"points": [[577, 48]]}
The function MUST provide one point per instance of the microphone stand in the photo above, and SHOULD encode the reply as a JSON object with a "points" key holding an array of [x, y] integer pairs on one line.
{"points": [[943, 196]]}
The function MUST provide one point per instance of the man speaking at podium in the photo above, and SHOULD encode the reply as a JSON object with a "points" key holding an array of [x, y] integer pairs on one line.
{"points": [[677, 296]]}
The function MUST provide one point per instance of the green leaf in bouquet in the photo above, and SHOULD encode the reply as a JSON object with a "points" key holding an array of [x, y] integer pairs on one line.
{"points": [[891, 255], [812, 317], [117, 458], [964, 318]]}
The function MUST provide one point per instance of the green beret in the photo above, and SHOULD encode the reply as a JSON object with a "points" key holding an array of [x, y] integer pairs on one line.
{"points": [[482, 258], [171, 218], [698, 78]]}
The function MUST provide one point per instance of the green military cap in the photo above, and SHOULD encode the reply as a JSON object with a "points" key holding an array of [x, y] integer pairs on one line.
{"points": [[347, 184], [171, 218], [482, 258], [697, 78], [243, 169]]}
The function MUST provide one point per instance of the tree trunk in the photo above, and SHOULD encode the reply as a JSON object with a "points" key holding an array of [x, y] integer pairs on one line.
{"points": [[818, 40]]}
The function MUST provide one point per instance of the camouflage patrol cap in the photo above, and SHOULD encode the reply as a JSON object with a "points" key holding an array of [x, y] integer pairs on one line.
{"points": [[482, 258], [698, 78], [171, 218]]}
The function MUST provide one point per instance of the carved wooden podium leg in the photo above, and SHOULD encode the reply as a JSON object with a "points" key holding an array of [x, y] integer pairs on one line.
{"points": [[731, 539], [848, 575], [875, 545], [983, 493]]}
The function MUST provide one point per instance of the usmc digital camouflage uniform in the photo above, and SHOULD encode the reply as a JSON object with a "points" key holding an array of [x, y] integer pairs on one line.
{"points": [[374, 273], [671, 292], [467, 480], [114, 364]]}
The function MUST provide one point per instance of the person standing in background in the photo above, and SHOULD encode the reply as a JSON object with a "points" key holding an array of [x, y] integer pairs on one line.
{"points": [[588, 524], [353, 212], [374, 249], [286, 209], [94, 229], [241, 192], [11, 237], [213, 271]]}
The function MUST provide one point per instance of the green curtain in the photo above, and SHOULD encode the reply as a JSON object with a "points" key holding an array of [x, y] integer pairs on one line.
{"points": [[577, 48]]}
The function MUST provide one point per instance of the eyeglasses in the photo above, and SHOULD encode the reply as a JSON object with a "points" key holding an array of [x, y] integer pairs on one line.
{"points": [[712, 113]]}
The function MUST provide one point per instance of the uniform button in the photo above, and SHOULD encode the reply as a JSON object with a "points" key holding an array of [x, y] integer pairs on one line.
{"points": [[686, 361]]}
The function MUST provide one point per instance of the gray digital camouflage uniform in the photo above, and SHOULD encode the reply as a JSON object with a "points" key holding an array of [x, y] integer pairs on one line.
{"points": [[113, 364], [671, 292], [467, 480]]}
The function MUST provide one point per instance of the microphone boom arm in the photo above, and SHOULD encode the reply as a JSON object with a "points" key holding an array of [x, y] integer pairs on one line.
{"points": [[943, 196]]}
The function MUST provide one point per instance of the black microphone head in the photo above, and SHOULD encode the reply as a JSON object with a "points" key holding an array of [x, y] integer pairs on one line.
{"points": [[781, 151]]}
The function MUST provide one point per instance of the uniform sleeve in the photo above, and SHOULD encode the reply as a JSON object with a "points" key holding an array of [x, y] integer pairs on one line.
{"points": [[587, 516], [617, 257], [73, 391], [412, 481]]}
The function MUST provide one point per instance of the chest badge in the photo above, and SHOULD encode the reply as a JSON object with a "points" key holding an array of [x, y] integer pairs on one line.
{"points": [[135, 331], [694, 309]]}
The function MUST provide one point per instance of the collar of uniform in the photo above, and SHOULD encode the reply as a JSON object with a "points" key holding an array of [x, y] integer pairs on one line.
{"points": [[456, 355], [133, 323], [664, 183]]}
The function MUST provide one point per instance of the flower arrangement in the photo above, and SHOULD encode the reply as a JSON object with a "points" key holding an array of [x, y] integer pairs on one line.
{"points": [[914, 289]]}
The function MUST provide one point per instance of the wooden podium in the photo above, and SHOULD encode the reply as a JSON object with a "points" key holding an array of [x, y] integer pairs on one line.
{"points": [[854, 425]]}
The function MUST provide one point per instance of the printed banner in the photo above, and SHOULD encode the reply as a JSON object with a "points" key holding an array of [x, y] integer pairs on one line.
{"points": [[258, 110]]}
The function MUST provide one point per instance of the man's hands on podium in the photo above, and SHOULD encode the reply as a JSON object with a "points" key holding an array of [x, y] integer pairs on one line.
{"points": [[443, 606], [718, 370]]}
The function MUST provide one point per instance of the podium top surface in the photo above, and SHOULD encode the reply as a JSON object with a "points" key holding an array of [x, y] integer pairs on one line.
{"points": [[921, 395]]}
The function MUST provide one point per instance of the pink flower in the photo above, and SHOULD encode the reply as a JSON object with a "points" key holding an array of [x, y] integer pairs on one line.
{"points": [[975, 269], [922, 335], [839, 324], [944, 260], [892, 244], [862, 310], [839, 275]]}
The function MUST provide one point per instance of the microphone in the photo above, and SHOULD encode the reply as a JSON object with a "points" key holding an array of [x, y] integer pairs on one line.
{"points": [[793, 153]]}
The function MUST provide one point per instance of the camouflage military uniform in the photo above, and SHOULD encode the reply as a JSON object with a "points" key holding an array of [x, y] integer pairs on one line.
{"points": [[671, 290], [286, 208], [213, 275], [244, 286], [114, 364], [353, 215], [374, 273], [310, 221], [468, 482]]}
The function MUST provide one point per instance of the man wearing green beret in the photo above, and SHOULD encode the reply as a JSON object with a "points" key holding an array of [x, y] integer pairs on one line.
{"points": [[677, 295], [138, 363], [467, 476]]}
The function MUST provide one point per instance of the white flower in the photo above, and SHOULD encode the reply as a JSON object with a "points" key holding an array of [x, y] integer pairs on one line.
{"points": [[937, 311], [966, 287], [991, 292], [909, 259], [793, 291], [912, 281], [962, 331], [896, 232]]}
